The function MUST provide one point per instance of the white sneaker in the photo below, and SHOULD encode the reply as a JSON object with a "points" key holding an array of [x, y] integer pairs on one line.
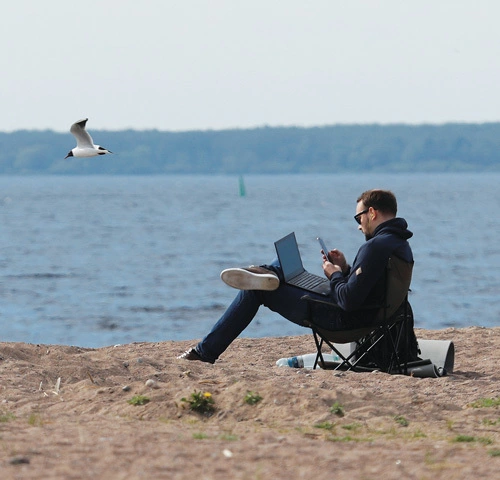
{"points": [[250, 278]]}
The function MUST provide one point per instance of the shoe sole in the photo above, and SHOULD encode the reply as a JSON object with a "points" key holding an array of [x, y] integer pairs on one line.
{"points": [[193, 355], [245, 280]]}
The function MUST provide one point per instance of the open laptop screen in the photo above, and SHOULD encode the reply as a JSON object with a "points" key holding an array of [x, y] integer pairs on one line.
{"points": [[289, 256]]}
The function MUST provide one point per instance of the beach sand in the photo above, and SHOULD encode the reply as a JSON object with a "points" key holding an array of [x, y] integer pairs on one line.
{"points": [[381, 426]]}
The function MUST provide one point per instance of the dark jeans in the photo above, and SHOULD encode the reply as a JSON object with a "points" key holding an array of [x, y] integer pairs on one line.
{"points": [[285, 300]]}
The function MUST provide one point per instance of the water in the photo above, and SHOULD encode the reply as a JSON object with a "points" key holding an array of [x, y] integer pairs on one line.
{"points": [[95, 261]]}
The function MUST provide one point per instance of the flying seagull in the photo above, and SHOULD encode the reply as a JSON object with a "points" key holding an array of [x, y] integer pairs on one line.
{"points": [[84, 144]]}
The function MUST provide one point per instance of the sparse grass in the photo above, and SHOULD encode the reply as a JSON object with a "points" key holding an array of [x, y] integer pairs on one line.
{"points": [[352, 426], [494, 453], [383, 430], [485, 440], [470, 439], [337, 409], [200, 436], [252, 398], [6, 417], [401, 420], [200, 402], [464, 439], [490, 423], [138, 400], [35, 420], [324, 425], [485, 403], [346, 438]]}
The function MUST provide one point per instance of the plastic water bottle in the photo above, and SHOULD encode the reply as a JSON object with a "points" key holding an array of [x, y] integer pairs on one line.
{"points": [[294, 362], [306, 360]]}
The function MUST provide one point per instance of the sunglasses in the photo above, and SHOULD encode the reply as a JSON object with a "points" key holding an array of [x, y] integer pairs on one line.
{"points": [[357, 217]]}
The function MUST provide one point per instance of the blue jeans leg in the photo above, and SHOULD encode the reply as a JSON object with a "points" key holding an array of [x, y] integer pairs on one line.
{"points": [[286, 301]]}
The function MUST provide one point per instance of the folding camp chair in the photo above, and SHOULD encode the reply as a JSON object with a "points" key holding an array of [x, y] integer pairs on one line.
{"points": [[381, 346]]}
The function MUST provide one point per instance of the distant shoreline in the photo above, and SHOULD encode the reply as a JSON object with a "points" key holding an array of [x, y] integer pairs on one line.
{"points": [[451, 147]]}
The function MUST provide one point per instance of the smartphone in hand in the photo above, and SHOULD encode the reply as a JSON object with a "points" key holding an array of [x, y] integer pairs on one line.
{"points": [[323, 247]]}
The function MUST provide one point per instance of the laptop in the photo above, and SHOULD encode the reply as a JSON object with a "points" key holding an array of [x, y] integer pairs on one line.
{"points": [[294, 272]]}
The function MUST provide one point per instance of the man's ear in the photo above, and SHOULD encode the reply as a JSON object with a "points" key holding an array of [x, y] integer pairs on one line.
{"points": [[373, 213]]}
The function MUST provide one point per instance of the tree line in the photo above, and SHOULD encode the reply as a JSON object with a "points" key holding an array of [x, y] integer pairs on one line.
{"points": [[272, 150]]}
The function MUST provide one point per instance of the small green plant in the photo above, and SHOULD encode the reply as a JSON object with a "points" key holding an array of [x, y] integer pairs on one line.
{"points": [[6, 417], [35, 420], [494, 453], [252, 398], [464, 439], [347, 438], [485, 440], [489, 422], [138, 400], [485, 403], [324, 425], [337, 409], [401, 420], [200, 402], [351, 426], [200, 436], [470, 439]]}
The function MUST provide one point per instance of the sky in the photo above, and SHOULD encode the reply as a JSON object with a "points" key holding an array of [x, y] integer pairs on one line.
{"points": [[182, 65]]}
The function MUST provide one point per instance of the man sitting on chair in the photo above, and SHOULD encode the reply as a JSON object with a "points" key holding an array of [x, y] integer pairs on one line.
{"points": [[352, 287]]}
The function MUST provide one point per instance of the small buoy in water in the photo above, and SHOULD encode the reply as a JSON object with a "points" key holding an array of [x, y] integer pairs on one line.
{"points": [[242, 186]]}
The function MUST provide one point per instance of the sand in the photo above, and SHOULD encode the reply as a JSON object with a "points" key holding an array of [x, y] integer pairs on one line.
{"points": [[65, 414]]}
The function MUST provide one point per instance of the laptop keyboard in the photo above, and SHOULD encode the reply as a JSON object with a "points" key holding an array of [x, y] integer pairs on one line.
{"points": [[307, 280]]}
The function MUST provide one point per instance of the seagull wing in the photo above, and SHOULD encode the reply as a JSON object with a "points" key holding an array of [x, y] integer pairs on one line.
{"points": [[83, 139]]}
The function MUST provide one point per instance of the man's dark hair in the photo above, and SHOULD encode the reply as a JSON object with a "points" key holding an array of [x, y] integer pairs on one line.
{"points": [[383, 200]]}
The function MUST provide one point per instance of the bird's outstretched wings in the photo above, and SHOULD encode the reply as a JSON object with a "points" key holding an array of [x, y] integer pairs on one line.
{"points": [[83, 138]]}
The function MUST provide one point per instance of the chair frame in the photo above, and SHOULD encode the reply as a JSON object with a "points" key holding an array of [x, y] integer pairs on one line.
{"points": [[389, 317]]}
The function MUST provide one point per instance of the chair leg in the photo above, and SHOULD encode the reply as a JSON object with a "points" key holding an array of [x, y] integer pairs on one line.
{"points": [[319, 354], [394, 363], [394, 336], [345, 361]]}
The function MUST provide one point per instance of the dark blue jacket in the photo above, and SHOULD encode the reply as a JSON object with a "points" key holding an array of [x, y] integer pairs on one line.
{"points": [[364, 283]]}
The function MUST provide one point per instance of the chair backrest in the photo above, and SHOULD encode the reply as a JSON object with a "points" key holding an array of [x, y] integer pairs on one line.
{"points": [[398, 279]]}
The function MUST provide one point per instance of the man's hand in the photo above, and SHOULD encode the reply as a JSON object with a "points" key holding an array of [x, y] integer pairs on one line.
{"points": [[337, 263]]}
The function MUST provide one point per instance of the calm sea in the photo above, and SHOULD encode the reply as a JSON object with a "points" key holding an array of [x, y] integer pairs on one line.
{"points": [[95, 261]]}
